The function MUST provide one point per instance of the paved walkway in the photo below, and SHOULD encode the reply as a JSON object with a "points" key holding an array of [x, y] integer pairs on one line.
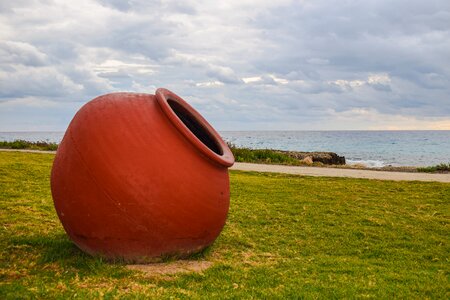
{"points": [[28, 151], [315, 171], [336, 172]]}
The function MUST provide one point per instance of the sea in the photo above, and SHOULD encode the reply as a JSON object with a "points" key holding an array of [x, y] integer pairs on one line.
{"points": [[371, 148]]}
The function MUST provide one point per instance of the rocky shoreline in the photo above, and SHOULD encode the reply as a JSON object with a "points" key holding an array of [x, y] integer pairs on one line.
{"points": [[327, 158]]}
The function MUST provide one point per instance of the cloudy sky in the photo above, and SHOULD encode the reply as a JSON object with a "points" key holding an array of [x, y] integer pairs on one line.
{"points": [[243, 64]]}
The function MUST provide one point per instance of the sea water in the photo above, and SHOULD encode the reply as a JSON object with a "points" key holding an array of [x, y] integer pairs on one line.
{"points": [[371, 148]]}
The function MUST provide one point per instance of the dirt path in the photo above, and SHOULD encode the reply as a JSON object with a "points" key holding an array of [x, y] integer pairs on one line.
{"points": [[336, 172], [315, 171]]}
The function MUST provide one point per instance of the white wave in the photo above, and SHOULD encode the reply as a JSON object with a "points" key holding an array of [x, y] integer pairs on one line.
{"points": [[367, 163]]}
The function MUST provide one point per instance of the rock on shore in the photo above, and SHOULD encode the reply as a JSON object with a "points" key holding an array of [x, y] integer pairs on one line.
{"points": [[327, 158]]}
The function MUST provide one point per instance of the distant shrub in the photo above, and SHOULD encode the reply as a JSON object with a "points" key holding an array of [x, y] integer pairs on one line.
{"points": [[438, 168], [262, 156]]}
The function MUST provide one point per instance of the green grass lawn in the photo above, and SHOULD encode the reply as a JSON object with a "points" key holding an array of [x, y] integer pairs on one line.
{"points": [[286, 237]]}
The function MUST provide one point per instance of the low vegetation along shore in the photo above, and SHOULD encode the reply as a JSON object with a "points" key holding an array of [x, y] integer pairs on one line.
{"points": [[286, 237], [21, 144], [266, 156]]}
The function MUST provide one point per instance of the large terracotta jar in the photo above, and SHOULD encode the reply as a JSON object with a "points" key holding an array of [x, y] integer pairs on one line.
{"points": [[139, 176]]}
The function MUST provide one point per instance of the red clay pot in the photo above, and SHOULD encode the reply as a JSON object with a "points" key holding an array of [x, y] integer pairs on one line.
{"points": [[140, 176]]}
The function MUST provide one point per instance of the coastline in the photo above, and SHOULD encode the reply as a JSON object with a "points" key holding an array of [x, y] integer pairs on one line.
{"points": [[371, 148], [325, 171]]}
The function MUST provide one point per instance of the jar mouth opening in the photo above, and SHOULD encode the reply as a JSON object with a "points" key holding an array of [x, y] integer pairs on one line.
{"points": [[194, 127]]}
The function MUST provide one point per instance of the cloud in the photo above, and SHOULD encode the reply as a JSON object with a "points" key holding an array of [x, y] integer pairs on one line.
{"points": [[381, 121], [13, 52], [245, 64], [44, 82]]}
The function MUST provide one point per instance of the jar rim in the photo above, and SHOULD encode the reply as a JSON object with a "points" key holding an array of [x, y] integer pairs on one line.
{"points": [[224, 157]]}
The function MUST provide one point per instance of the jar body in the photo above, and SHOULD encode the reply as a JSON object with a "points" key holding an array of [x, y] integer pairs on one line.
{"points": [[128, 185]]}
